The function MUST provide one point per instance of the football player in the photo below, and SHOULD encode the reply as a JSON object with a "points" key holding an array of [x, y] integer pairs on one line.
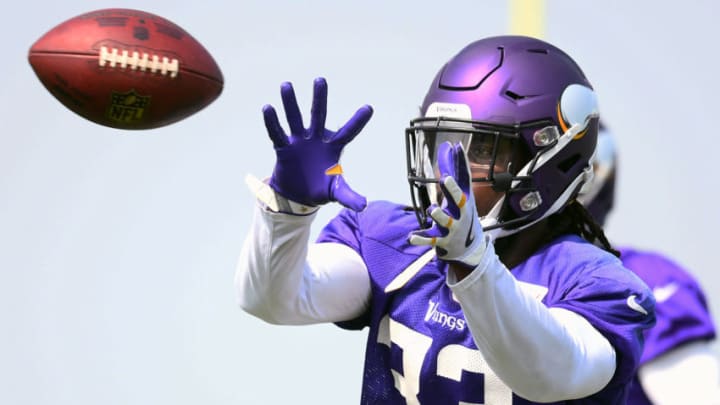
{"points": [[487, 290], [678, 365]]}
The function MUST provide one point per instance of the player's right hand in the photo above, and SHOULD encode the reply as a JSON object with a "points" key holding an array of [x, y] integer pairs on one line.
{"points": [[456, 232], [307, 169]]}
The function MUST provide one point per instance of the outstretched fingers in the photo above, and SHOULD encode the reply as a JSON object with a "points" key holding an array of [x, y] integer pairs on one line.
{"points": [[452, 189], [292, 110], [427, 237], [455, 176], [441, 218], [440, 228], [272, 124], [418, 239], [453, 162], [319, 106], [462, 172], [353, 127]]}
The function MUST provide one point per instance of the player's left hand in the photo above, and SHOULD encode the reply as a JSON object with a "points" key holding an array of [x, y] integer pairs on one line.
{"points": [[456, 232]]}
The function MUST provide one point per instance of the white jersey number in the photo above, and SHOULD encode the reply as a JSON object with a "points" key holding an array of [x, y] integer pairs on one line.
{"points": [[452, 360]]}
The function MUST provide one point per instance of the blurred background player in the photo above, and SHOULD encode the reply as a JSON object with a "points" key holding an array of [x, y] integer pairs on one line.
{"points": [[678, 365], [488, 289]]}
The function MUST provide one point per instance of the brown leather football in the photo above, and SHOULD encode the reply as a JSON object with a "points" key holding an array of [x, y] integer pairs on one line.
{"points": [[126, 69]]}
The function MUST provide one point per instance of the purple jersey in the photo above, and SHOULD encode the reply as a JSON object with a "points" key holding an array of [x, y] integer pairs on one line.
{"points": [[681, 309], [418, 335]]}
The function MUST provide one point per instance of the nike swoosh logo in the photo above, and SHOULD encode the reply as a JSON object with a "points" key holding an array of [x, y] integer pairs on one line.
{"points": [[663, 293], [470, 237], [635, 306]]}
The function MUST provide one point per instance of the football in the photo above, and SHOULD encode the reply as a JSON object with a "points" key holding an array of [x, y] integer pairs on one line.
{"points": [[126, 69]]}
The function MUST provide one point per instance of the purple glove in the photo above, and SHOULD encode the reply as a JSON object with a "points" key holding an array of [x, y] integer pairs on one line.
{"points": [[456, 232], [307, 169]]}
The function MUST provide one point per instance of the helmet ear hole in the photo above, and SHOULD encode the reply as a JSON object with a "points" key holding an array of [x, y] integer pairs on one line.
{"points": [[568, 163]]}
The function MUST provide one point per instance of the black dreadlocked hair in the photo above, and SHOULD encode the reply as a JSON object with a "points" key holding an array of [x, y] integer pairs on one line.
{"points": [[576, 219]]}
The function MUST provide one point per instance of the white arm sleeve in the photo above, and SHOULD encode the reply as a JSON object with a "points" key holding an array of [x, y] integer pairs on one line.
{"points": [[688, 374], [281, 280], [542, 354]]}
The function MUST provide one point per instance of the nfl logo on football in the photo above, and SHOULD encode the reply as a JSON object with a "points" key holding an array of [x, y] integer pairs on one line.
{"points": [[127, 107]]}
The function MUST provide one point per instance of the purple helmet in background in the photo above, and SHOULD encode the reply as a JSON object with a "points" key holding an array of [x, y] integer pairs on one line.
{"points": [[598, 195], [517, 89]]}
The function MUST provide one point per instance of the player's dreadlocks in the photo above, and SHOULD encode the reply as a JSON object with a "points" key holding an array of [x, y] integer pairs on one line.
{"points": [[576, 219]]}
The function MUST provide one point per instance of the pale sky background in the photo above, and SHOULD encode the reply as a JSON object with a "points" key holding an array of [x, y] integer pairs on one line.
{"points": [[119, 247]]}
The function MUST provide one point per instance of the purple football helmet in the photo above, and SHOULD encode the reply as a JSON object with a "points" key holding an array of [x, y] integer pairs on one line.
{"points": [[598, 195], [511, 90]]}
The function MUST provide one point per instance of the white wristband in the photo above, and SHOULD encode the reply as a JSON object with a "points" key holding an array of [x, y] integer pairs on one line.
{"points": [[274, 201]]}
